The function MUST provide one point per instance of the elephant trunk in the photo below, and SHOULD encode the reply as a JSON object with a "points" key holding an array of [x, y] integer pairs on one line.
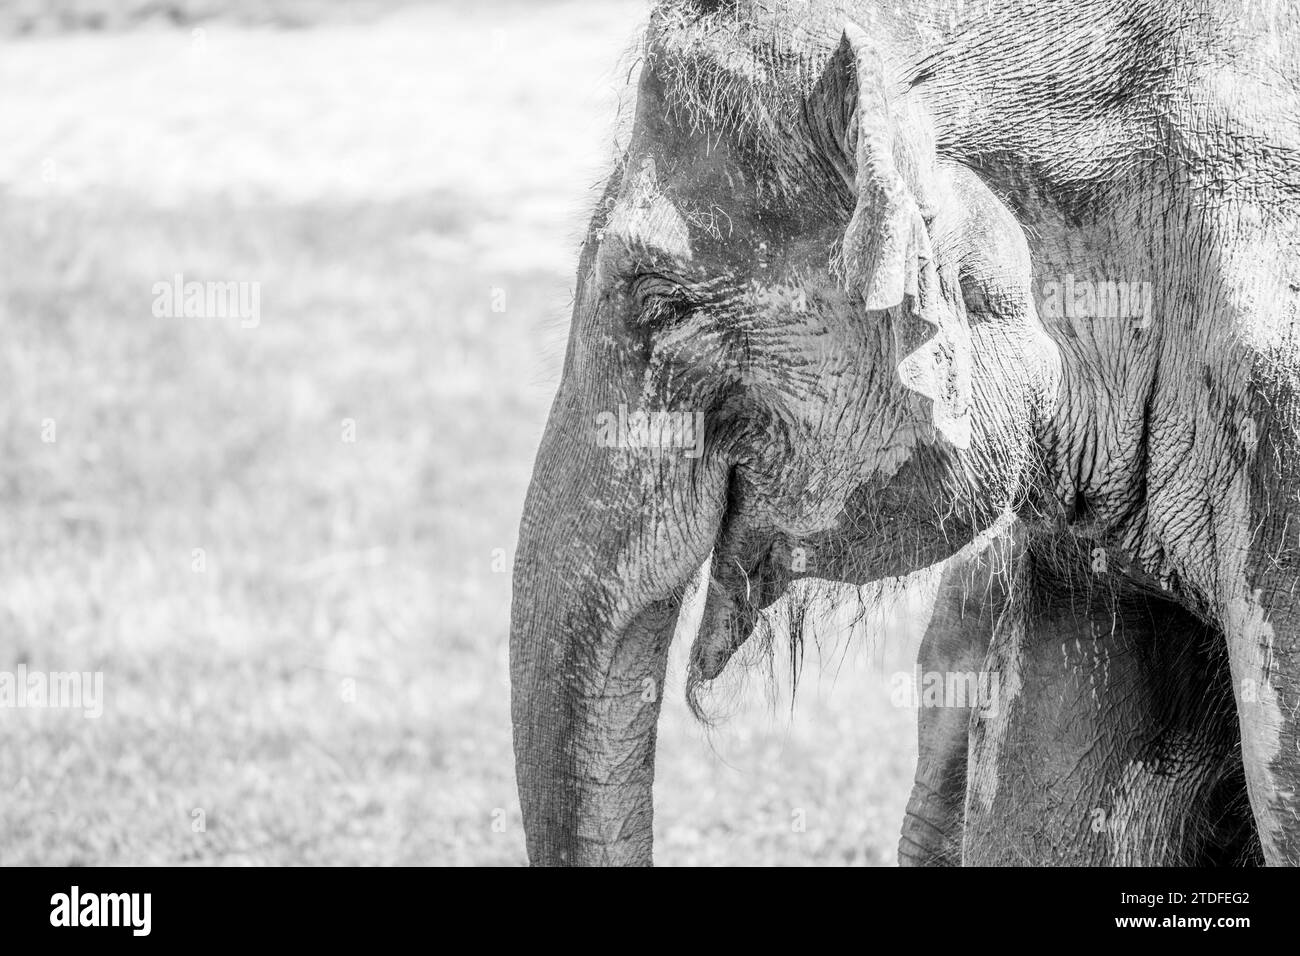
{"points": [[585, 721], [609, 540]]}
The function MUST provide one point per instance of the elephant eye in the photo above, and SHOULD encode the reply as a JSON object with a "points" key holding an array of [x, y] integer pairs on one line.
{"points": [[660, 300]]}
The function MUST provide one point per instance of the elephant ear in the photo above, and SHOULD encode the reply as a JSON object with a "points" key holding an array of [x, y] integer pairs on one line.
{"points": [[885, 148]]}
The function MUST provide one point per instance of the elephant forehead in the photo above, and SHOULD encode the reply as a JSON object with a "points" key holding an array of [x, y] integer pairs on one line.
{"points": [[647, 225], [669, 202]]}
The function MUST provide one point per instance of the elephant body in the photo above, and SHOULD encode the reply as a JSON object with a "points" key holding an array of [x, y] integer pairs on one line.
{"points": [[915, 273]]}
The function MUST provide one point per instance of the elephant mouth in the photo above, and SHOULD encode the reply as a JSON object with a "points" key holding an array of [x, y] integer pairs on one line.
{"points": [[742, 584]]}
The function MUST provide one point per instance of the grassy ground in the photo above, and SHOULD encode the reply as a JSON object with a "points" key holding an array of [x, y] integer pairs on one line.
{"points": [[51, 17], [331, 686]]}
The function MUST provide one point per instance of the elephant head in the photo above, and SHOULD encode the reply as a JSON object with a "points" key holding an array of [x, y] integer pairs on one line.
{"points": [[801, 344]]}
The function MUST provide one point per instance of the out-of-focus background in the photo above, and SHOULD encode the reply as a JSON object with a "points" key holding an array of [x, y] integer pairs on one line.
{"points": [[287, 548]]}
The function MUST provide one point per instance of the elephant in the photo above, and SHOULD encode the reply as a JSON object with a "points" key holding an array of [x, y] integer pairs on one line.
{"points": [[868, 282]]}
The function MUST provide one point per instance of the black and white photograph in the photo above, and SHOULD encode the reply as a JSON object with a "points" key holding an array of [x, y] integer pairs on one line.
{"points": [[699, 433]]}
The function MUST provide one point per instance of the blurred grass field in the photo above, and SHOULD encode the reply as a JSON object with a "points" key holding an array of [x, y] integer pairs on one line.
{"points": [[332, 687]]}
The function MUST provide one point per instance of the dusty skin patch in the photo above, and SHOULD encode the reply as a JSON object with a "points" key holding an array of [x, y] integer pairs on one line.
{"points": [[982, 784], [1250, 641]]}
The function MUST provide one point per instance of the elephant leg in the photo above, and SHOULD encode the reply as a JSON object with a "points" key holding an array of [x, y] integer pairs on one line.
{"points": [[972, 590], [1114, 740], [1230, 529]]}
